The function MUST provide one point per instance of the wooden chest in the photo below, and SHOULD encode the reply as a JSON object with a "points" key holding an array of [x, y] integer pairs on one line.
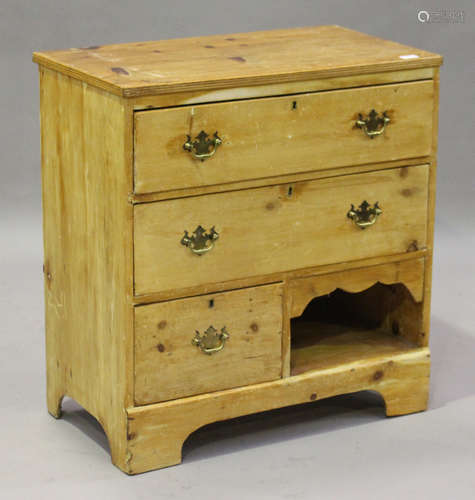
{"points": [[234, 224]]}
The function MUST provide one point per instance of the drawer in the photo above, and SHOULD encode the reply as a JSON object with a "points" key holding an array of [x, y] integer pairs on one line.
{"points": [[180, 350], [278, 228], [278, 136]]}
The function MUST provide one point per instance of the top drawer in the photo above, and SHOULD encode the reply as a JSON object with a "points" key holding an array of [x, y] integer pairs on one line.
{"points": [[282, 135]]}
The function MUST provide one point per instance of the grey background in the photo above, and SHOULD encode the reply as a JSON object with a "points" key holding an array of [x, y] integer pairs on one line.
{"points": [[339, 448]]}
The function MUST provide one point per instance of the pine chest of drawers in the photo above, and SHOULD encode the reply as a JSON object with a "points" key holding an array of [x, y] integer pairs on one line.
{"points": [[234, 224]]}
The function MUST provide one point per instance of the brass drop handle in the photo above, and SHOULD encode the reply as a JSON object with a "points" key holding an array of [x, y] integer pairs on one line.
{"points": [[201, 241], [211, 341], [204, 146], [365, 215], [373, 125]]}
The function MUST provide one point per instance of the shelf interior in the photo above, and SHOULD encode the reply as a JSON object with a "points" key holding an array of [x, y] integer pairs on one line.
{"points": [[344, 327]]}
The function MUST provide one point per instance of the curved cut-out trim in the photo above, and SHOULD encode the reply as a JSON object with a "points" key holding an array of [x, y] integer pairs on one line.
{"points": [[297, 310], [304, 290], [401, 379]]}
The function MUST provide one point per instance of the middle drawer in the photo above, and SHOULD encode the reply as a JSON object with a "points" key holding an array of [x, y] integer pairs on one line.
{"points": [[278, 228]]}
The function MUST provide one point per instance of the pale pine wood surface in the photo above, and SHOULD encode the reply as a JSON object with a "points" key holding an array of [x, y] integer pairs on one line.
{"points": [[409, 272], [266, 230], [157, 432], [342, 362], [336, 345], [431, 207], [276, 89], [279, 276], [103, 255], [381, 308], [325, 173], [87, 251], [243, 59], [168, 366], [283, 135]]}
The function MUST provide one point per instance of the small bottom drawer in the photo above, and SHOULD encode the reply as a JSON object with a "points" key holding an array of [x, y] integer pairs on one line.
{"points": [[207, 343]]}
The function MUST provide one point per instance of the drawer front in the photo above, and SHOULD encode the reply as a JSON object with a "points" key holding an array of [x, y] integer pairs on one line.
{"points": [[278, 228], [171, 361], [277, 136]]}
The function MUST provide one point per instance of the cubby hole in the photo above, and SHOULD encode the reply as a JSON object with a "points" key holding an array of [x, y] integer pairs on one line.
{"points": [[343, 327]]}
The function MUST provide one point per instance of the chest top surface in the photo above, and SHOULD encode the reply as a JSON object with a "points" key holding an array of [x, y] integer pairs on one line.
{"points": [[243, 59]]}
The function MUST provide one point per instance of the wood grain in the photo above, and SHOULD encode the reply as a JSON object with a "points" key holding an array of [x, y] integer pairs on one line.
{"points": [[243, 59], [410, 273], [157, 432], [275, 89], [431, 209], [279, 136], [268, 230], [336, 345], [286, 339], [119, 191], [168, 366], [137, 198], [282, 276], [356, 314], [88, 281]]}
